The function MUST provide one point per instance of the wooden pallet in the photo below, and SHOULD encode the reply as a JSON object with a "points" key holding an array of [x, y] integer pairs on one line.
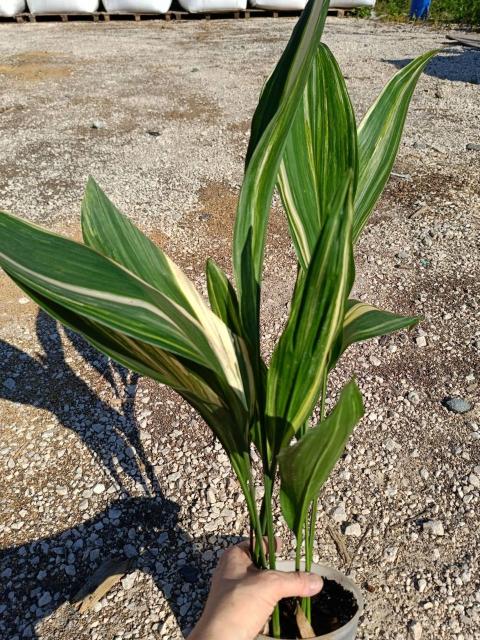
{"points": [[103, 16]]}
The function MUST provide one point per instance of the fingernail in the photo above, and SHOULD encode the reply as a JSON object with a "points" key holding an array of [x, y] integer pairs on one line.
{"points": [[315, 583]]}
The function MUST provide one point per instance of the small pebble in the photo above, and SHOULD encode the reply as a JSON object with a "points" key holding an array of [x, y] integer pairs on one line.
{"points": [[375, 361], [44, 599], [99, 488], [435, 527], [415, 630], [455, 404], [353, 530]]}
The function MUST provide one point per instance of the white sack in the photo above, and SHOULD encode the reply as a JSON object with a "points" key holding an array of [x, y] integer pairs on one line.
{"points": [[63, 6], [280, 5], [143, 6], [10, 8], [211, 6], [351, 4]]}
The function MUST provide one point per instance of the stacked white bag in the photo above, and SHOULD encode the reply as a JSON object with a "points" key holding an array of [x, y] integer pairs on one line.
{"points": [[143, 6], [10, 8], [63, 6], [280, 5], [212, 6], [293, 5]]}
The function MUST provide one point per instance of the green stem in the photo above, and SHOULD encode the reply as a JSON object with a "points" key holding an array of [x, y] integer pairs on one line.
{"points": [[248, 489], [310, 525], [298, 551], [268, 479]]}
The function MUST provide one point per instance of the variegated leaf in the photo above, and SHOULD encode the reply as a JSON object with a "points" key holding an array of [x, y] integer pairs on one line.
{"points": [[302, 355], [363, 321], [270, 127], [199, 386], [379, 136], [87, 283], [306, 465], [320, 152]]}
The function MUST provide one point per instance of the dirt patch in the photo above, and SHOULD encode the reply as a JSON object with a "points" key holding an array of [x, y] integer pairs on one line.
{"points": [[35, 66], [191, 107]]}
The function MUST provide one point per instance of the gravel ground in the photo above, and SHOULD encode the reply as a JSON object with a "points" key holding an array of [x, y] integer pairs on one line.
{"points": [[98, 464]]}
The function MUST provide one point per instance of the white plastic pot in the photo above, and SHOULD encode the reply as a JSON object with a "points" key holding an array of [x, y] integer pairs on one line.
{"points": [[142, 6], [63, 6], [212, 6], [349, 630], [10, 8]]}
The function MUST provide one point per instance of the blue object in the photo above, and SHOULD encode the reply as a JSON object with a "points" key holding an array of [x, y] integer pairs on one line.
{"points": [[420, 9]]}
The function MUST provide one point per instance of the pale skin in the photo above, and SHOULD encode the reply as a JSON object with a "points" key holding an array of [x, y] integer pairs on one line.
{"points": [[242, 598]]}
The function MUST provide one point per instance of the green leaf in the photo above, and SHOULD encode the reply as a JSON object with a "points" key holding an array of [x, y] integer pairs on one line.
{"points": [[363, 321], [223, 298], [195, 384], [306, 465], [379, 137], [87, 283], [320, 152], [112, 234], [299, 361], [270, 126]]}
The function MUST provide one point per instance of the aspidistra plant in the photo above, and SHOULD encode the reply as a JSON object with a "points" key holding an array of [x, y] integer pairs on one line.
{"points": [[127, 298]]}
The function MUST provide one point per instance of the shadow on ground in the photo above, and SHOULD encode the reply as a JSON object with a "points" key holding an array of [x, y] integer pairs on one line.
{"points": [[459, 64], [39, 576]]}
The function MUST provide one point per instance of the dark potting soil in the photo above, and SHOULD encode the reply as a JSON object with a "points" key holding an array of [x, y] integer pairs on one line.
{"points": [[333, 607]]}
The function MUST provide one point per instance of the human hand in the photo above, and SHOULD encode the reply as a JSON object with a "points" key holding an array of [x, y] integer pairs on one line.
{"points": [[242, 597]]}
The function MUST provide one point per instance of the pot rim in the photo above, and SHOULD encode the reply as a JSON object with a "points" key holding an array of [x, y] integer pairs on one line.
{"points": [[326, 571]]}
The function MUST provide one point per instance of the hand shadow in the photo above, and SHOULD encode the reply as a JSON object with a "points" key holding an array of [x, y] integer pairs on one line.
{"points": [[39, 576]]}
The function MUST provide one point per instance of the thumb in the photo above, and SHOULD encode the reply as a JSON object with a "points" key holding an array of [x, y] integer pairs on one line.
{"points": [[283, 584]]}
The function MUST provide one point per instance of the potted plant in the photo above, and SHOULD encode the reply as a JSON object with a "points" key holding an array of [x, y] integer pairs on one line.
{"points": [[128, 299]]}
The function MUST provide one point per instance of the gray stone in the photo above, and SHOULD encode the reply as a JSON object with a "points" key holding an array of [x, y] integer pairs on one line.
{"points": [[9, 383], [435, 527], [129, 581], [339, 514], [413, 397], [353, 530], [474, 480], [415, 630], [44, 599], [421, 585], [455, 404], [130, 551], [471, 146], [390, 554], [99, 488]]}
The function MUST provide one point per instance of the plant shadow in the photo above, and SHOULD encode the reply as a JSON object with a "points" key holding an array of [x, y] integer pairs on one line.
{"points": [[454, 64], [37, 577]]}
